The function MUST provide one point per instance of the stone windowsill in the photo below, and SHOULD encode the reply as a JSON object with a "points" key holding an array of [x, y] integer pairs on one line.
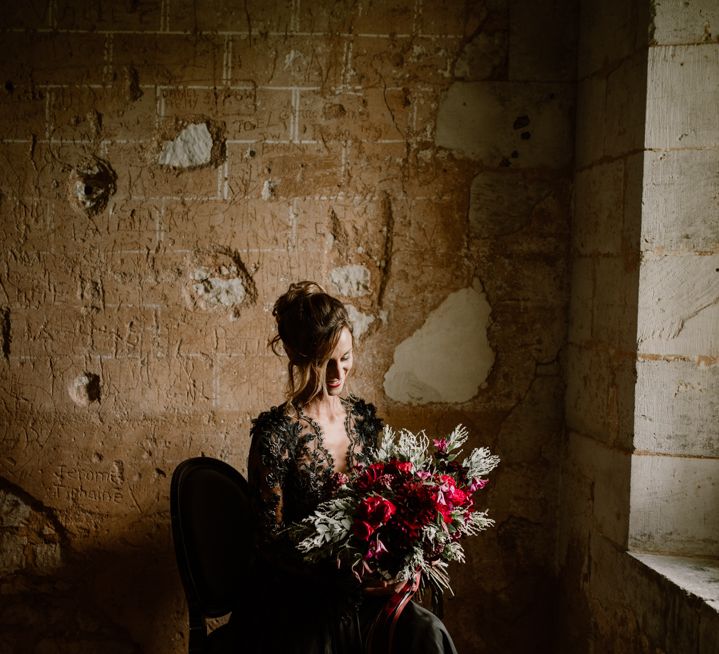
{"points": [[695, 576]]}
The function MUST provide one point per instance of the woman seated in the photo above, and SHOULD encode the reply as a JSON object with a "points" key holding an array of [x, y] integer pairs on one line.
{"points": [[298, 448]]}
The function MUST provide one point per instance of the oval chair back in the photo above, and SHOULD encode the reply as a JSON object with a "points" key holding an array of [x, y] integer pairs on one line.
{"points": [[212, 530]]}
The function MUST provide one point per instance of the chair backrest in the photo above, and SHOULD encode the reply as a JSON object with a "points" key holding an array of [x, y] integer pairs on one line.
{"points": [[212, 529]]}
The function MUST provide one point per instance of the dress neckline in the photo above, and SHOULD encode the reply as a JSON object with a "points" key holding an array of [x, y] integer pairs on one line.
{"points": [[320, 436]]}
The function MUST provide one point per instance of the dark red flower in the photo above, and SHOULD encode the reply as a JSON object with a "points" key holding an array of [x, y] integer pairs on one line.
{"points": [[370, 476], [375, 510], [405, 467], [362, 529]]}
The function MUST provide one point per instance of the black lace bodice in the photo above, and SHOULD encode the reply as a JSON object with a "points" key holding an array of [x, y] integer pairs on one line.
{"points": [[290, 470]]}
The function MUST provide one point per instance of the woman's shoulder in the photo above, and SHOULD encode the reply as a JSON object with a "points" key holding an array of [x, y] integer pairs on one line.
{"points": [[272, 420]]}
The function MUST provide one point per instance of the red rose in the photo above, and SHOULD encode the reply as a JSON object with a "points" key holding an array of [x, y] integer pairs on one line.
{"points": [[405, 467], [370, 476], [376, 510], [362, 529]]}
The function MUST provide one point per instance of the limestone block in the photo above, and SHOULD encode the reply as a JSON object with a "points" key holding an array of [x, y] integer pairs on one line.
{"points": [[697, 576], [284, 60], [54, 57], [255, 15], [607, 34], [396, 61], [679, 305], [608, 469], [600, 394], [531, 432], [321, 18], [87, 16], [28, 15], [454, 18], [677, 408], [542, 43], [449, 357], [673, 504], [368, 115], [384, 17], [483, 57], [478, 119], [154, 182], [537, 332], [174, 59], [503, 202], [248, 114], [680, 200], [298, 170], [599, 209], [683, 97], [20, 112], [591, 116], [696, 21], [614, 303], [581, 301], [625, 108]]}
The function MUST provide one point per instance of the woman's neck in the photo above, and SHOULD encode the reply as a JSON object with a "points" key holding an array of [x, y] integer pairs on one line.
{"points": [[324, 407]]}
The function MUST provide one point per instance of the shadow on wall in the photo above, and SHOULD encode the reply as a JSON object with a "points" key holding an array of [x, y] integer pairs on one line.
{"points": [[57, 600]]}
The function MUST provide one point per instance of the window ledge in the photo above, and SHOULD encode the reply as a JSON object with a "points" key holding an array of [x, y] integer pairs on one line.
{"points": [[695, 576]]}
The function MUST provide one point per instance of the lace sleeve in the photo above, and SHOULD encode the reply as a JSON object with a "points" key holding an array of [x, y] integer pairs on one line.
{"points": [[266, 470]]}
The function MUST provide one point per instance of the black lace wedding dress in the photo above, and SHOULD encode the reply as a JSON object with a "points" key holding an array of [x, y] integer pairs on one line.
{"points": [[301, 609]]}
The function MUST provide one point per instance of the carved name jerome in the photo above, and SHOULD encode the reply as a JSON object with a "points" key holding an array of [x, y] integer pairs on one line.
{"points": [[75, 484]]}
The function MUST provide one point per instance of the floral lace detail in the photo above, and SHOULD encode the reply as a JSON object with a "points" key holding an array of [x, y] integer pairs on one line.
{"points": [[290, 470]]}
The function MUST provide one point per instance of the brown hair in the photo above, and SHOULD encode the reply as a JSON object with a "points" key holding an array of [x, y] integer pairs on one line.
{"points": [[309, 324]]}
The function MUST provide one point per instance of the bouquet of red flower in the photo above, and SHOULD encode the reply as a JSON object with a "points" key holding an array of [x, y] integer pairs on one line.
{"points": [[403, 513]]}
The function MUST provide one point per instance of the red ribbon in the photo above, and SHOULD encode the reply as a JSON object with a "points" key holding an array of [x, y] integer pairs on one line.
{"points": [[384, 625]]}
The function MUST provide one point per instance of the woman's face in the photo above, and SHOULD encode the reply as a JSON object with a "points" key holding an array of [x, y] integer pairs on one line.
{"points": [[339, 364]]}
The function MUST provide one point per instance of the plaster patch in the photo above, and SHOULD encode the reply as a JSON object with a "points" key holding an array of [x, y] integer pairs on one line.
{"points": [[476, 119], [351, 281], [13, 511], [218, 291], [268, 189], [85, 389], [191, 148], [360, 321], [219, 280], [449, 357]]}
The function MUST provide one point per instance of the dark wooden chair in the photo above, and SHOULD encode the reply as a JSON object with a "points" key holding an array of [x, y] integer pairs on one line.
{"points": [[212, 530]]}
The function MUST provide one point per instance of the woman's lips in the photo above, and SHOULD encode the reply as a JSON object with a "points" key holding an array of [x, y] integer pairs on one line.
{"points": [[334, 383]]}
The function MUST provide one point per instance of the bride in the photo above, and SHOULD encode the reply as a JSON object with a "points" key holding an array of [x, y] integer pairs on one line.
{"points": [[298, 451]]}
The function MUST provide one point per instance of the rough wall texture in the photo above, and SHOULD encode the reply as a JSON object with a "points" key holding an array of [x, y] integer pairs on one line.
{"points": [[166, 169], [640, 466]]}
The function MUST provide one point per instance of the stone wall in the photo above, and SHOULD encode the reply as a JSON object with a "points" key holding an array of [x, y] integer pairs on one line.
{"points": [[166, 169], [639, 471]]}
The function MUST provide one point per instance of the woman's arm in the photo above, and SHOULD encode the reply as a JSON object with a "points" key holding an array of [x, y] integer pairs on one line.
{"points": [[267, 468]]}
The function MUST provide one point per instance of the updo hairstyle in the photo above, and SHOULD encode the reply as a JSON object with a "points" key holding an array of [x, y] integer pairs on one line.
{"points": [[309, 325]]}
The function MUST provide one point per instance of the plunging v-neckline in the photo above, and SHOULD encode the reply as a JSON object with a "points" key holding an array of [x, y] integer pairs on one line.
{"points": [[320, 436]]}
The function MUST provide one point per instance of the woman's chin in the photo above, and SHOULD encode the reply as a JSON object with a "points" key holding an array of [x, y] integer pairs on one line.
{"points": [[334, 390]]}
